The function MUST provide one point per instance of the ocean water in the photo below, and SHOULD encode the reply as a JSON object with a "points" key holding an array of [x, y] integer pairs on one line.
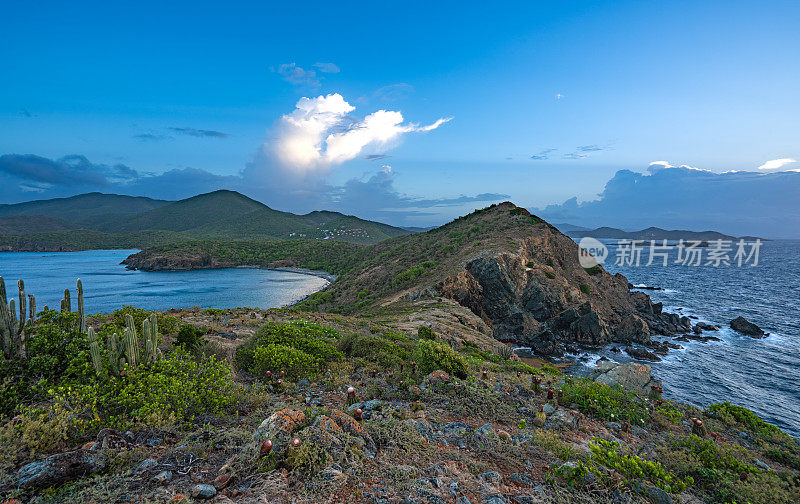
{"points": [[760, 374], [108, 285]]}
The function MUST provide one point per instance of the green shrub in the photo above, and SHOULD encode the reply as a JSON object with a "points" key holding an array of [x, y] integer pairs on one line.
{"points": [[432, 355], [604, 401], [116, 320], [732, 414], [425, 332], [586, 289], [375, 348], [276, 357], [550, 275], [312, 339], [56, 352], [594, 270], [174, 388], [633, 467], [190, 337]]}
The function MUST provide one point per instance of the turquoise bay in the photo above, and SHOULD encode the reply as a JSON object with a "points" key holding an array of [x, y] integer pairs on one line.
{"points": [[108, 285]]}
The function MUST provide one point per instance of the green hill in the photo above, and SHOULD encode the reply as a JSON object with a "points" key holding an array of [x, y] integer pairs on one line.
{"points": [[220, 215], [21, 224], [83, 207]]}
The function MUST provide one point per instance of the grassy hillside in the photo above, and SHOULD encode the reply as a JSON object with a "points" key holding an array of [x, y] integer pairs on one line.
{"points": [[219, 215], [185, 214], [83, 207], [21, 224], [85, 239]]}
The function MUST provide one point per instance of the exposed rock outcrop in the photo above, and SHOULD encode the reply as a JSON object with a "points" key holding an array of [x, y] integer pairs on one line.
{"points": [[744, 326], [632, 376], [541, 297], [60, 468]]}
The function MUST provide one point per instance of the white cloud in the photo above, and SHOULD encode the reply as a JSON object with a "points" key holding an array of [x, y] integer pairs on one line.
{"points": [[297, 75], [658, 165], [776, 164], [327, 67], [320, 133]]}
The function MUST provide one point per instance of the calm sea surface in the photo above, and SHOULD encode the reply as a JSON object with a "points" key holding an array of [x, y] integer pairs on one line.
{"points": [[760, 374], [108, 285]]}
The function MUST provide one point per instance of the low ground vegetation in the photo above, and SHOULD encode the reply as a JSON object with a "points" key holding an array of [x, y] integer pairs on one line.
{"points": [[430, 418]]}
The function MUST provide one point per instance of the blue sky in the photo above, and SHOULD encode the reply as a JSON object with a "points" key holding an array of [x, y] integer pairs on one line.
{"points": [[588, 88]]}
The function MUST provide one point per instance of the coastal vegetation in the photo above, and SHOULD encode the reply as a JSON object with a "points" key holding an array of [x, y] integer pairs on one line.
{"points": [[373, 390]]}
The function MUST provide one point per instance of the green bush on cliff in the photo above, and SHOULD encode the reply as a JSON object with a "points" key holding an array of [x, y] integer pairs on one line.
{"points": [[376, 348], [432, 355], [276, 357], [732, 414], [56, 352], [313, 340], [176, 388], [604, 401], [425, 332]]}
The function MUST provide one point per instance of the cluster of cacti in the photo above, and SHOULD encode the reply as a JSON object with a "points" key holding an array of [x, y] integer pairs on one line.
{"points": [[125, 350], [12, 327]]}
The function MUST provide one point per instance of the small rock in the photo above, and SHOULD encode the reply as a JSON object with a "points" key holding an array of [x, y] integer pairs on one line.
{"points": [[491, 477], [495, 499], [163, 477], [203, 491], [463, 500], [762, 465], [520, 479], [222, 481], [145, 465], [548, 409]]}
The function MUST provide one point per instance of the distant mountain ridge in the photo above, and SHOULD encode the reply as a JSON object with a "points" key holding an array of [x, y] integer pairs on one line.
{"points": [[652, 233], [98, 220]]}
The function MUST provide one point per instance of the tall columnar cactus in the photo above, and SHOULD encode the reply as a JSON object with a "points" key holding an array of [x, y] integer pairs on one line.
{"points": [[150, 333], [31, 309], [66, 303], [81, 314], [131, 341], [12, 326], [94, 349], [116, 354]]}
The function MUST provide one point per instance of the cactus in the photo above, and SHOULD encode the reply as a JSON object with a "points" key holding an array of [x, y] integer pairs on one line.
{"points": [[150, 333], [12, 326], [66, 303], [116, 354], [94, 349], [31, 309], [81, 314], [131, 346]]}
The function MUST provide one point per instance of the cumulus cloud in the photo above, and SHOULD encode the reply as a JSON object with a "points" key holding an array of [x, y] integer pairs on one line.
{"points": [[202, 133], [777, 164], [685, 197], [327, 67], [321, 133]]}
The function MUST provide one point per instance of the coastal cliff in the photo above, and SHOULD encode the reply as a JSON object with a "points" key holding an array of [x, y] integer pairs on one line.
{"points": [[516, 273]]}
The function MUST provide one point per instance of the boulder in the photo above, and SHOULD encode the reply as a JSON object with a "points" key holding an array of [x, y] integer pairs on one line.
{"points": [[60, 468], [631, 376], [744, 326], [632, 329], [642, 354]]}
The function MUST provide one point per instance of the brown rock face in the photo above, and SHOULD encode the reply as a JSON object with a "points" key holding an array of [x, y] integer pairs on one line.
{"points": [[542, 297]]}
